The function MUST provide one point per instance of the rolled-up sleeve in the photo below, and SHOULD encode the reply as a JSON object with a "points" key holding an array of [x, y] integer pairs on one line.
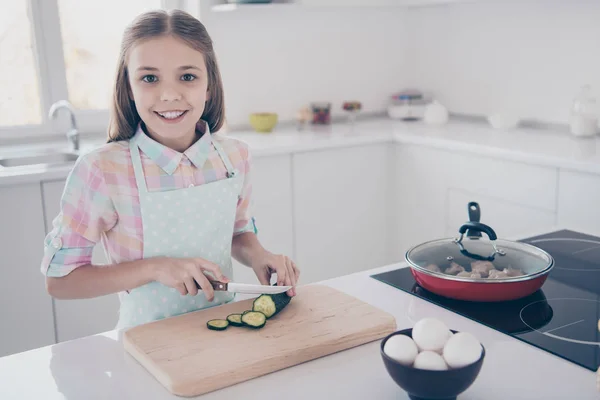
{"points": [[86, 212], [244, 219]]}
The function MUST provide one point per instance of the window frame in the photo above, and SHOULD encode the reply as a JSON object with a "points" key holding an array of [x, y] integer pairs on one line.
{"points": [[51, 74]]}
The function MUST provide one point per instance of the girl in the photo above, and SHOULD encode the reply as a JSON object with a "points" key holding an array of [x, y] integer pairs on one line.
{"points": [[168, 199]]}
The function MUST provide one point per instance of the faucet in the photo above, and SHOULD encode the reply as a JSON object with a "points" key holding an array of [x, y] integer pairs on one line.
{"points": [[73, 133]]}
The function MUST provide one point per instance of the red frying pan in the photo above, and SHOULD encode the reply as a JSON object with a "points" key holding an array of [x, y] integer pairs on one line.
{"points": [[473, 268]]}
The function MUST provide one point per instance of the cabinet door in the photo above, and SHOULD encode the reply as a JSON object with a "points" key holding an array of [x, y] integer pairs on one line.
{"points": [[25, 306], [419, 197], [340, 210], [82, 317], [272, 208], [579, 201], [509, 220]]}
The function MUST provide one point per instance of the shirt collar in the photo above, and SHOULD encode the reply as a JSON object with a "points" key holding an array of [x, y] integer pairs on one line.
{"points": [[167, 158]]}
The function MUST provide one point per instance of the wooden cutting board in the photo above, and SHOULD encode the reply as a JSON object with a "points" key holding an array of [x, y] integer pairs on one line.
{"points": [[189, 359]]}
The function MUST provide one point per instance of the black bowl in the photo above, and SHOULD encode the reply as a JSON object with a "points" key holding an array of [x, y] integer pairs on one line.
{"points": [[422, 384]]}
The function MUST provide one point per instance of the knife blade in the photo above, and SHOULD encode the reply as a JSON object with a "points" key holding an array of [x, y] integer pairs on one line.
{"points": [[246, 288]]}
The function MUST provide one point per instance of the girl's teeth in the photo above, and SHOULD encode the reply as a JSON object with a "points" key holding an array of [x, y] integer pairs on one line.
{"points": [[171, 114]]}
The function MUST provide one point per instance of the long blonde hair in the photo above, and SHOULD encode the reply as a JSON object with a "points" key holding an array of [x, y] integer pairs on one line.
{"points": [[124, 117]]}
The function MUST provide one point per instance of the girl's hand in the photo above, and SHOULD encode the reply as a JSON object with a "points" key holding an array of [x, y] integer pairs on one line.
{"points": [[183, 273], [286, 270]]}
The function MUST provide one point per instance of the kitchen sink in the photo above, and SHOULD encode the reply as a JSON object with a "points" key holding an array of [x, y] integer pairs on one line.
{"points": [[44, 158]]}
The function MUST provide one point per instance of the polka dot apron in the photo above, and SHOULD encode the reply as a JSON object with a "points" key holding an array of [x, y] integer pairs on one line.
{"points": [[197, 221]]}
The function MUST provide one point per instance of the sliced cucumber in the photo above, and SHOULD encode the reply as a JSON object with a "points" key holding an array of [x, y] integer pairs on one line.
{"points": [[217, 324], [271, 304], [247, 311], [235, 319], [254, 319]]}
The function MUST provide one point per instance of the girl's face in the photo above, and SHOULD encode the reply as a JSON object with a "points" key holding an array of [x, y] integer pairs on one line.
{"points": [[169, 84]]}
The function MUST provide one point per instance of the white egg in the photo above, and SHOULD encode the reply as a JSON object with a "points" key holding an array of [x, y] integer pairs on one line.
{"points": [[430, 360], [462, 349], [402, 349], [430, 334]]}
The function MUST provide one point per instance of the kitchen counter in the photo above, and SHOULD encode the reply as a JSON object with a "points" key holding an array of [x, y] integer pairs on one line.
{"points": [[554, 148], [96, 367]]}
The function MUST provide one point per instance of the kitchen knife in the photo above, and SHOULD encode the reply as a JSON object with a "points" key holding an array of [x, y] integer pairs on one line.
{"points": [[247, 288]]}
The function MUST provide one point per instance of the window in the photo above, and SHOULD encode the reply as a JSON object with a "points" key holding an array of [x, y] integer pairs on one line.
{"points": [[52, 50], [19, 102], [90, 49]]}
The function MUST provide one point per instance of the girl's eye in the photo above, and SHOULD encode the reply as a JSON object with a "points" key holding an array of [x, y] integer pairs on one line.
{"points": [[188, 77], [150, 78]]}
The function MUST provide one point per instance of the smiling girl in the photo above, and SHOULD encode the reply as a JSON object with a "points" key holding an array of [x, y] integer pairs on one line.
{"points": [[166, 196]]}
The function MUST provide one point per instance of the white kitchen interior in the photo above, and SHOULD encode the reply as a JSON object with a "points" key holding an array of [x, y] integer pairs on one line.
{"points": [[500, 124]]}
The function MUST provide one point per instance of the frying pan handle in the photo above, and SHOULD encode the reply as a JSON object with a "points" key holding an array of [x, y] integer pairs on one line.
{"points": [[474, 216], [477, 227]]}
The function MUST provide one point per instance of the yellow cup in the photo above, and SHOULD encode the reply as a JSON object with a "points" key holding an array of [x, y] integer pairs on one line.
{"points": [[263, 122]]}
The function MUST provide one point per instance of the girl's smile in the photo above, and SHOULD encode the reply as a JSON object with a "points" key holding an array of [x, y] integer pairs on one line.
{"points": [[172, 117]]}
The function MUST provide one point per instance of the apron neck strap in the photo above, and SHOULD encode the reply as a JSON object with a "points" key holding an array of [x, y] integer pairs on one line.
{"points": [[137, 166], [230, 170]]}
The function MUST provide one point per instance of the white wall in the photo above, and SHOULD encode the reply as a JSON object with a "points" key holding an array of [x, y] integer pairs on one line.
{"points": [[279, 59], [533, 55]]}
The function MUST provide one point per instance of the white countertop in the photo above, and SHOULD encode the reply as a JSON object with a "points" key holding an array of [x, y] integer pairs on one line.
{"points": [[96, 367], [552, 148]]}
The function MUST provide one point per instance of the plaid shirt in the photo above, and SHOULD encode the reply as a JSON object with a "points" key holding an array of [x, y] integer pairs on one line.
{"points": [[100, 201]]}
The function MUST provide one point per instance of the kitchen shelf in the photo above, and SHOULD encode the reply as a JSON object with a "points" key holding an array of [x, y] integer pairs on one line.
{"points": [[312, 4], [228, 7]]}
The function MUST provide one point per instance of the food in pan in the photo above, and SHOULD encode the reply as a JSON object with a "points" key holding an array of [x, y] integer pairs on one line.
{"points": [[433, 268], [482, 267], [478, 269], [495, 274], [454, 269]]}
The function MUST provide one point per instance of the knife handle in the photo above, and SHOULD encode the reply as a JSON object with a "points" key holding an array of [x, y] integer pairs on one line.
{"points": [[215, 284]]}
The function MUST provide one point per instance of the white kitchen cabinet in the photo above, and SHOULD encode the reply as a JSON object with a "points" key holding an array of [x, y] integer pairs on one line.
{"points": [[25, 307], [434, 186], [506, 218], [272, 209], [340, 210], [579, 200], [81, 317], [419, 200]]}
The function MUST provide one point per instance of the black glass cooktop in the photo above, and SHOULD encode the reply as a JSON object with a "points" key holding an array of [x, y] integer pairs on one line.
{"points": [[561, 318]]}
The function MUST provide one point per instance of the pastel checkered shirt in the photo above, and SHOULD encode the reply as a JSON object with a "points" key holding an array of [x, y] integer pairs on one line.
{"points": [[100, 201]]}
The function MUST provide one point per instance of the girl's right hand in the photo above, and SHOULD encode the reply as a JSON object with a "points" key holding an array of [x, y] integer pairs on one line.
{"points": [[183, 273]]}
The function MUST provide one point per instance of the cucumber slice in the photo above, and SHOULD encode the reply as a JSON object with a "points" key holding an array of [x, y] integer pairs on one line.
{"points": [[254, 319], [271, 304], [217, 324], [235, 319]]}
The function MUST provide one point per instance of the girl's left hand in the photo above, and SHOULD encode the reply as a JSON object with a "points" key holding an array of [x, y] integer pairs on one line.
{"points": [[286, 270]]}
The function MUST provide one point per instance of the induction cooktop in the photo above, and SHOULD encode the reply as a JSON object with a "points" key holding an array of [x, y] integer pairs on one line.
{"points": [[561, 318]]}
